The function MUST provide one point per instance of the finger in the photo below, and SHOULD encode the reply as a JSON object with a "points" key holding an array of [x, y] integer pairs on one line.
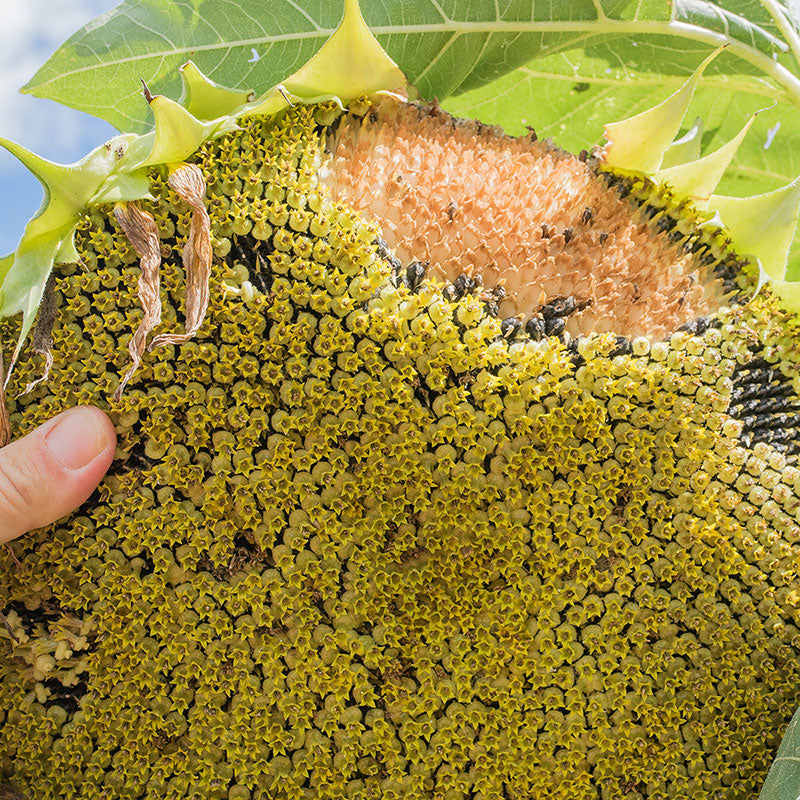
{"points": [[51, 471]]}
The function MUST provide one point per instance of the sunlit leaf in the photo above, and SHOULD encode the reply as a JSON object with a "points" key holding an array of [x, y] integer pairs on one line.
{"points": [[783, 780]]}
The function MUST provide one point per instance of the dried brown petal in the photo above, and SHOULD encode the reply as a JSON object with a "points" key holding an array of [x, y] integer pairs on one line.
{"points": [[189, 184], [5, 438], [43, 331], [5, 621], [14, 558], [142, 233], [5, 422]]}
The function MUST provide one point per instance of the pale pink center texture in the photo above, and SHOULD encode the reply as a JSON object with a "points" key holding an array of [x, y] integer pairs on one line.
{"points": [[523, 213]]}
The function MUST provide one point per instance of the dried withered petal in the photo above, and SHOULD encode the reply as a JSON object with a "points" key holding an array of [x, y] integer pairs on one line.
{"points": [[142, 233], [5, 438], [43, 332], [188, 182], [5, 422]]}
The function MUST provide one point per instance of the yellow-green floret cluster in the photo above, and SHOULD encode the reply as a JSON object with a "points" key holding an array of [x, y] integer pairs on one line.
{"points": [[364, 540]]}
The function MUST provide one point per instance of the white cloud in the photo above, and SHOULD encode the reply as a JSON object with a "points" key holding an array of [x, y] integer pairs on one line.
{"points": [[31, 31]]}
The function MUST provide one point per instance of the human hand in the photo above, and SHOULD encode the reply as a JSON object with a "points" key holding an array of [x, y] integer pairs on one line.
{"points": [[52, 470]]}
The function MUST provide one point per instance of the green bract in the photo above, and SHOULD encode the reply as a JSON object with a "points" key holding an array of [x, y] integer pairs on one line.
{"points": [[349, 65]]}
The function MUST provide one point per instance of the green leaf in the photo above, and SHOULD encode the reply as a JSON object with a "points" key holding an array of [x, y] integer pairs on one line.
{"points": [[783, 780], [567, 68], [445, 48]]}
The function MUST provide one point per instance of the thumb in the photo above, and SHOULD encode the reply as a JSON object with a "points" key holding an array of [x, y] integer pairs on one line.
{"points": [[51, 471]]}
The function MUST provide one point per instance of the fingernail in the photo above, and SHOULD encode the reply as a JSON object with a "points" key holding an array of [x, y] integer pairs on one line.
{"points": [[78, 437]]}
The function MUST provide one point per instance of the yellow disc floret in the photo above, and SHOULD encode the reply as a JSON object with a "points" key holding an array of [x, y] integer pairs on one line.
{"points": [[366, 538]]}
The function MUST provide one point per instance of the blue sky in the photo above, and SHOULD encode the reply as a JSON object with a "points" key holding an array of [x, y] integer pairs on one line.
{"points": [[30, 31]]}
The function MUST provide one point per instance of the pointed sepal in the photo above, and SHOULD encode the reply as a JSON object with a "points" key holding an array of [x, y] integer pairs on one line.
{"points": [[24, 282], [700, 177], [206, 100], [5, 265], [640, 142], [125, 187], [176, 136], [762, 225], [349, 65], [68, 189]]}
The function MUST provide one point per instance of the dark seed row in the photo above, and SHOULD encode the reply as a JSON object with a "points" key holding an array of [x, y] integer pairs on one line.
{"points": [[254, 254], [550, 320], [783, 441], [727, 270], [778, 420], [697, 326], [763, 376], [765, 402]]}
